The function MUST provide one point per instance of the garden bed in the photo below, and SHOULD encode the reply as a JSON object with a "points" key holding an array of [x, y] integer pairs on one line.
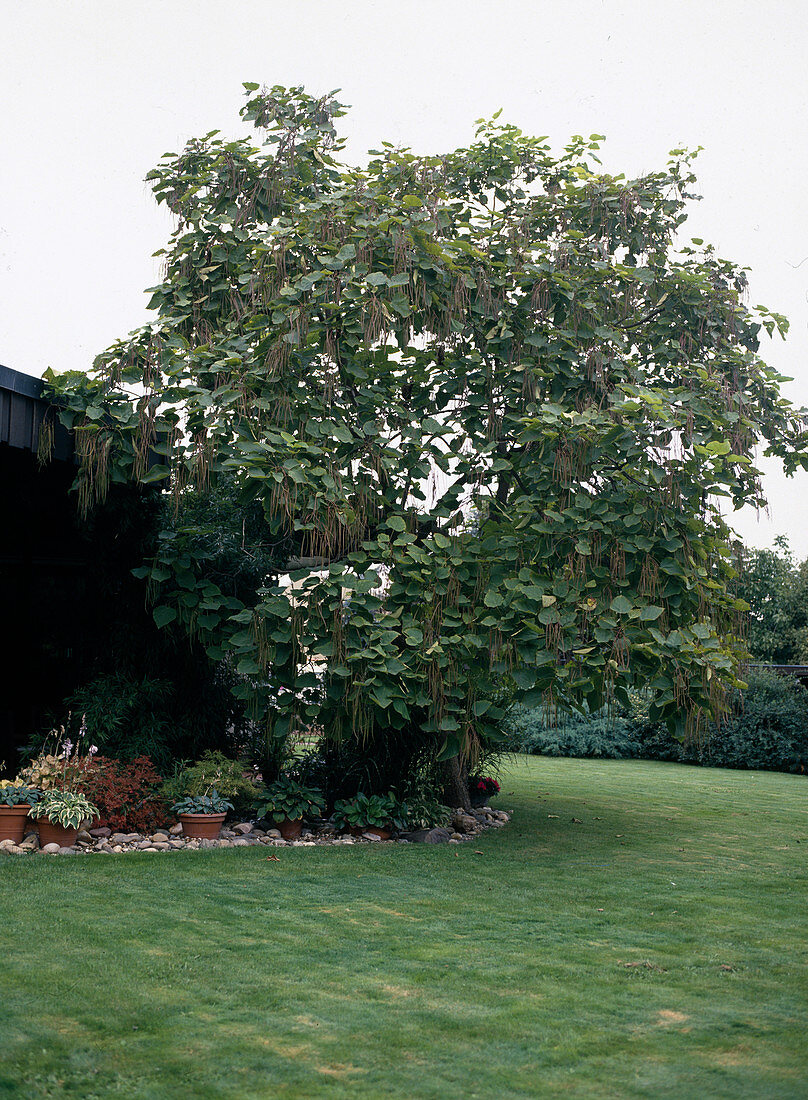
{"points": [[464, 826]]}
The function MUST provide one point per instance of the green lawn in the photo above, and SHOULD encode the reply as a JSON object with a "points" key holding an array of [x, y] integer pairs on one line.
{"points": [[654, 947]]}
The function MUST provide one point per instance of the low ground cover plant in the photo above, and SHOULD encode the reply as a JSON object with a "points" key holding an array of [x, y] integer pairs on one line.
{"points": [[424, 811]]}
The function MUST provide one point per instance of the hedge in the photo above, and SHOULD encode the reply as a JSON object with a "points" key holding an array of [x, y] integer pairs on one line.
{"points": [[767, 729]]}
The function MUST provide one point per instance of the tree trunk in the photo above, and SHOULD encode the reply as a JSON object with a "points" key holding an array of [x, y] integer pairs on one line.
{"points": [[457, 783]]}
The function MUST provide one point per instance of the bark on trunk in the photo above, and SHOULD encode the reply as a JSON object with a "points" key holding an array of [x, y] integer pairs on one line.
{"points": [[457, 782]]}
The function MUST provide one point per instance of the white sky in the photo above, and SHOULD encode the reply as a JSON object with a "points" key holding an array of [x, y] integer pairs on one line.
{"points": [[93, 92]]}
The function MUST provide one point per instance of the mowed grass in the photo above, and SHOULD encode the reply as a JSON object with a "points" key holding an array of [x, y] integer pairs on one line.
{"points": [[639, 930]]}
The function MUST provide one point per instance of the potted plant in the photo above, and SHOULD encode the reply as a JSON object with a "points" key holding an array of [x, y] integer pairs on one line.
{"points": [[201, 815], [376, 813], [63, 769], [62, 807], [214, 771], [287, 802], [60, 815], [481, 789], [15, 803]]}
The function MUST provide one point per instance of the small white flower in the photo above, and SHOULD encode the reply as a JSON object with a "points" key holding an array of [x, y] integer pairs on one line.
{"points": [[93, 749]]}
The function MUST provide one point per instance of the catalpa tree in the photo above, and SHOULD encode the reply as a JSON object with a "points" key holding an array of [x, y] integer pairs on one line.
{"points": [[486, 407]]}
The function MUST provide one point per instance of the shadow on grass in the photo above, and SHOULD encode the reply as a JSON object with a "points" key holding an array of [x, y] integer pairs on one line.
{"points": [[635, 931]]}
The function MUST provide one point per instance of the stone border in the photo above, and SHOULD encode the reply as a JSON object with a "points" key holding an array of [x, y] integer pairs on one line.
{"points": [[464, 826]]}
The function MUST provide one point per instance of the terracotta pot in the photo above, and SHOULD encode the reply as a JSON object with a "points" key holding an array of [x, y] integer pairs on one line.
{"points": [[50, 833], [201, 826], [290, 829], [358, 830], [12, 822]]}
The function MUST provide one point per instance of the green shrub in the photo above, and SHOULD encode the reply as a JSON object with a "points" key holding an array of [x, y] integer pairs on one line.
{"points": [[129, 715], [770, 731], [375, 811], [285, 799], [212, 771], [125, 716], [531, 730], [423, 811], [343, 768], [767, 729]]}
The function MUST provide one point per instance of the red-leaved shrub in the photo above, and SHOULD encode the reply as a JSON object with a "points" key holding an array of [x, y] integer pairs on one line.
{"points": [[126, 794]]}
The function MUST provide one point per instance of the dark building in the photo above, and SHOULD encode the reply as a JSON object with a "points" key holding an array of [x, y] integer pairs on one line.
{"points": [[67, 596], [76, 629], [41, 556]]}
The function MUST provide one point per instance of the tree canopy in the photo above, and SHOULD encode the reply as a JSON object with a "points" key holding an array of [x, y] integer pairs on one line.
{"points": [[776, 588], [485, 405]]}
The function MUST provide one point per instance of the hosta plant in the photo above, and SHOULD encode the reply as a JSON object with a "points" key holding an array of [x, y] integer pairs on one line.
{"points": [[48, 771], [423, 812], [65, 767], [376, 811], [13, 795], [286, 799], [211, 803], [66, 808]]}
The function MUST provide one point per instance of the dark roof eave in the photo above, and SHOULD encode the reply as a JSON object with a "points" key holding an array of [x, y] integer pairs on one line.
{"points": [[16, 382], [22, 410]]}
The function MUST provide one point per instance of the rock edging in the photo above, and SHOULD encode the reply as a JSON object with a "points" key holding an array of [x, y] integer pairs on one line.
{"points": [[464, 826]]}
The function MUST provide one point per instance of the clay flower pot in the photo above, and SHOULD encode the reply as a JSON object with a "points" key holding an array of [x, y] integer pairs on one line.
{"points": [[50, 833], [360, 830], [12, 822], [201, 826], [290, 829]]}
